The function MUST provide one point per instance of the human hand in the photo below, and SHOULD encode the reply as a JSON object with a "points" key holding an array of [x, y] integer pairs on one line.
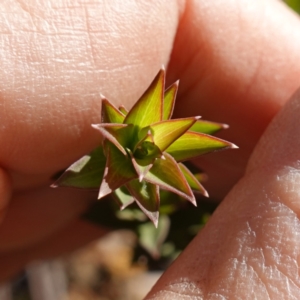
{"points": [[56, 61]]}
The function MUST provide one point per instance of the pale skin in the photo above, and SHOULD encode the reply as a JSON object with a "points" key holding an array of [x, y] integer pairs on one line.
{"points": [[238, 63]]}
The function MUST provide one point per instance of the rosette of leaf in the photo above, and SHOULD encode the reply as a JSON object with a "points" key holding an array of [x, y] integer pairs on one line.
{"points": [[143, 150]]}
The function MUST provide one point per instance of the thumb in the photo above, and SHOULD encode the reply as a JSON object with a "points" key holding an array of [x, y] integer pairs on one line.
{"points": [[250, 248]]}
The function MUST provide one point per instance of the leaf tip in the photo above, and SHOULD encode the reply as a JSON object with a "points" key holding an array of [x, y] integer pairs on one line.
{"points": [[104, 189], [198, 118], [54, 185], [102, 97], [141, 177], [225, 126], [193, 200], [233, 146]]}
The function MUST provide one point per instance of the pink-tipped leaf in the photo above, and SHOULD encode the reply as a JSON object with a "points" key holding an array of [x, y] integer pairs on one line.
{"points": [[118, 170], [192, 144], [207, 127], [118, 134], [192, 180], [166, 132], [166, 174], [110, 114], [169, 100], [149, 108], [85, 173], [147, 197]]}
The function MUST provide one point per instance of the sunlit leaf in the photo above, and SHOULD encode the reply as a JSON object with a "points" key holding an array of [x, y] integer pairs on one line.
{"points": [[118, 170], [118, 134], [85, 173], [192, 180], [167, 174], [123, 197], [147, 198], [123, 110], [166, 132], [110, 114], [192, 144], [207, 127], [169, 100], [149, 108]]}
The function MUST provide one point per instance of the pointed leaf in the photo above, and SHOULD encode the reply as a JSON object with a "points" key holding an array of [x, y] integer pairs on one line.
{"points": [[123, 110], [169, 100], [207, 127], [192, 180], [118, 134], [166, 132], [167, 174], [152, 239], [192, 144], [118, 170], [141, 166], [85, 173], [123, 197], [147, 198], [110, 114], [149, 108]]}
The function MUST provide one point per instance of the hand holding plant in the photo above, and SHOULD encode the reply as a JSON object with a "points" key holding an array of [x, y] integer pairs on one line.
{"points": [[143, 150], [237, 64]]}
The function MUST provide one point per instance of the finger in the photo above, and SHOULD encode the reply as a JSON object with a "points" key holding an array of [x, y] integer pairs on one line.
{"points": [[76, 234], [250, 247], [58, 57], [36, 215], [236, 64]]}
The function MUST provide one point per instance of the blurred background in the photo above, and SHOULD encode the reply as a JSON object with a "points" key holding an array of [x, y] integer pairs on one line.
{"points": [[123, 265]]}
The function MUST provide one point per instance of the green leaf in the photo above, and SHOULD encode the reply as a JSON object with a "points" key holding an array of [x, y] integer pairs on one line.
{"points": [[151, 239], [110, 114], [123, 110], [207, 127], [142, 167], [118, 170], [192, 180], [85, 173], [118, 134], [169, 100], [192, 144], [149, 108], [166, 173], [123, 197], [147, 198], [166, 132]]}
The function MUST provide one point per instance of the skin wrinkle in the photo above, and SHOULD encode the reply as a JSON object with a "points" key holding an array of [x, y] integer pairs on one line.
{"points": [[250, 232], [88, 47]]}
